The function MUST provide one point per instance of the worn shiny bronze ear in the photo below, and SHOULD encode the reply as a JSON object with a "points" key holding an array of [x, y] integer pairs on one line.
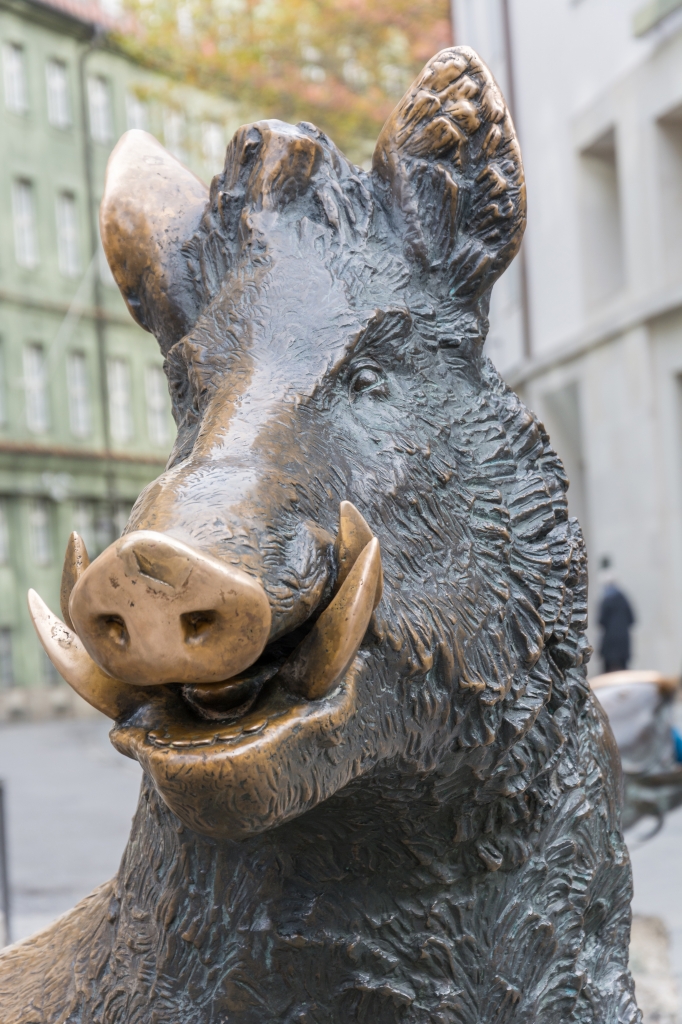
{"points": [[449, 167], [152, 206], [76, 561]]}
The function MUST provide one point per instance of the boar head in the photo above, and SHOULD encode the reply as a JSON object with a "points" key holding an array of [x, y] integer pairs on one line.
{"points": [[322, 328]]}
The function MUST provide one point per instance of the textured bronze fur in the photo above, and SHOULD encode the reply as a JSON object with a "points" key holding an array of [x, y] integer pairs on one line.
{"points": [[437, 841]]}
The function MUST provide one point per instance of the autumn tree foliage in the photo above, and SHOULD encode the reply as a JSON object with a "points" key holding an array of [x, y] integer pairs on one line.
{"points": [[341, 64]]}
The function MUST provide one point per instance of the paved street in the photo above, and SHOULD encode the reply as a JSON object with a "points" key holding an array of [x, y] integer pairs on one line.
{"points": [[657, 869], [71, 797]]}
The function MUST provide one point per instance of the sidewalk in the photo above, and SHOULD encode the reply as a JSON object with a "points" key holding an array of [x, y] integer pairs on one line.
{"points": [[657, 872], [70, 797]]}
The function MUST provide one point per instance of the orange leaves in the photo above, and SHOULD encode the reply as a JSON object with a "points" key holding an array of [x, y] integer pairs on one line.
{"points": [[342, 64]]}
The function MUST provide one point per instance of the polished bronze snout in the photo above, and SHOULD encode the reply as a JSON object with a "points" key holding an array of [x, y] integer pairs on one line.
{"points": [[152, 610]]}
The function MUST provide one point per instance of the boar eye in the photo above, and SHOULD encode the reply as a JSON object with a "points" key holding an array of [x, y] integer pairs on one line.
{"points": [[368, 379]]}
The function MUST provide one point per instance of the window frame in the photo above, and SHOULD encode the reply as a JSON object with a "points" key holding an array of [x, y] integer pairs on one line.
{"points": [[40, 532], [35, 385], [58, 118], [78, 392], [26, 242], [156, 406], [100, 114], [7, 679], [121, 413], [21, 109], [68, 234], [134, 106]]}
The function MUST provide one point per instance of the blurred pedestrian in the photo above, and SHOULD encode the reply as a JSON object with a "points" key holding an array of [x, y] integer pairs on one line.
{"points": [[616, 619]]}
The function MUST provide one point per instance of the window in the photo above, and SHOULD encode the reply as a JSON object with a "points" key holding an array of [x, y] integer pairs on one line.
{"points": [[6, 659], [14, 78], [103, 268], [185, 20], [157, 396], [670, 149], [68, 248], [35, 386], [174, 133], [104, 527], [84, 523], [58, 103], [601, 220], [39, 532], [120, 408], [3, 408], [4, 533], [136, 112], [121, 517], [213, 144], [25, 232], [99, 104], [50, 675], [114, 8], [79, 394]]}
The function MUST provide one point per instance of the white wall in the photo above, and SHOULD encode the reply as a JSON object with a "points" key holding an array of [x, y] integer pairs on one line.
{"points": [[604, 261]]}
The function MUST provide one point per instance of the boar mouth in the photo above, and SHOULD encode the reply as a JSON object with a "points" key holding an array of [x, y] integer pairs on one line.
{"points": [[307, 664], [310, 661], [232, 699]]}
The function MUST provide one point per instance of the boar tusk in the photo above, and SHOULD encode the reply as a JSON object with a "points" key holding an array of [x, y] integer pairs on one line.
{"points": [[76, 561], [353, 537], [66, 652], [321, 659]]}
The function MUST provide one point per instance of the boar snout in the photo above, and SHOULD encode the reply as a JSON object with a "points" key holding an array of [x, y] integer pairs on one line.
{"points": [[153, 610]]}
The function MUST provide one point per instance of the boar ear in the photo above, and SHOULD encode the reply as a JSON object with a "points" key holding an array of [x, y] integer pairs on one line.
{"points": [[152, 206], [449, 166]]}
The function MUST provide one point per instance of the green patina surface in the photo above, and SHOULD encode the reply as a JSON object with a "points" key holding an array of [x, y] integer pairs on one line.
{"points": [[88, 481]]}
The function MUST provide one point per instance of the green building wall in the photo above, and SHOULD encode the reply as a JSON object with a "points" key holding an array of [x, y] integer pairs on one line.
{"points": [[53, 476]]}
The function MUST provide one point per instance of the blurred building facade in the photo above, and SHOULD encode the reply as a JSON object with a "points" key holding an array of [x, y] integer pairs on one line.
{"points": [[85, 418], [587, 325]]}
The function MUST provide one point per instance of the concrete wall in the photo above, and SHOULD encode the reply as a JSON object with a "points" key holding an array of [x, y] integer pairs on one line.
{"points": [[599, 115]]}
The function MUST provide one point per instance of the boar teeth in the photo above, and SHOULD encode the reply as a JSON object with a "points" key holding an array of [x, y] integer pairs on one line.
{"points": [[66, 652], [353, 537], [76, 561], [321, 659]]}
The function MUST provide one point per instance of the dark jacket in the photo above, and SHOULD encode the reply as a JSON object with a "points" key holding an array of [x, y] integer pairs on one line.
{"points": [[615, 618]]}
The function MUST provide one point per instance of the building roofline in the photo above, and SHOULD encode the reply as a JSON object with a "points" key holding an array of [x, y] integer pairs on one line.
{"points": [[85, 19], [79, 18]]}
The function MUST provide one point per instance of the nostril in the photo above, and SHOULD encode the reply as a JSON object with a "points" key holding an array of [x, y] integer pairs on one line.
{"points": [[150, 610], [115, 628], [195, 625]]}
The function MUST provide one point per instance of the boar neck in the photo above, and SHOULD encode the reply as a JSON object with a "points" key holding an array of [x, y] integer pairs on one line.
{"points": [[350, 857]]}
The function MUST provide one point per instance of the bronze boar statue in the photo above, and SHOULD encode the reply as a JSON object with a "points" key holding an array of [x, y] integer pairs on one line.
{"points": [[344, 632]]}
